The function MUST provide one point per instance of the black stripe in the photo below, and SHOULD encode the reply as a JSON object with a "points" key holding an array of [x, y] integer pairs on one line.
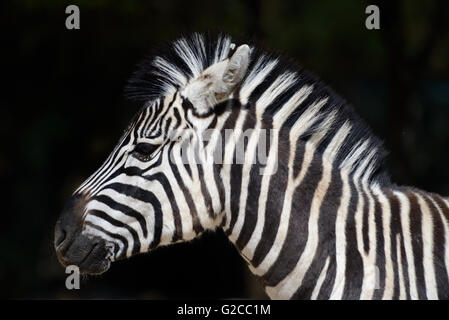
{"points": [[205, 191], [177, 235], [354, 262], [197, 227], [265, 83], [380, 249], [145, 196], [177, 116], [158, 120], [417, 243], [254, 189], [326, 241], [279, 102], [297, 233], [237, 167], [117, 223], [329, 280], [167, 128], [402, 246], [125, 210], [395, 229], [276, 194], [405, 268], [147, 120], [365, 221], [228, 125], [119, 237], [234, 108]]}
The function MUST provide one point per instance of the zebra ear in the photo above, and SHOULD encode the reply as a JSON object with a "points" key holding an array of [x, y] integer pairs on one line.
{"points": [[236, 68], [217, 82]]}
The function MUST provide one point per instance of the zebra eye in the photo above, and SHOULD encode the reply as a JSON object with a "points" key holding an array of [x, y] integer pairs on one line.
{"points": [[144, 150]]}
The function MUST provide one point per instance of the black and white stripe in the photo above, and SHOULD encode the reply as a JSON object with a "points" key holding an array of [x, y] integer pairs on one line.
{"points": [[319, 219]]}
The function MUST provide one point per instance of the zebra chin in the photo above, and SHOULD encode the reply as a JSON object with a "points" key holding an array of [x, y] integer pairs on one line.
{"points": [[91, 254], [94, 262]]}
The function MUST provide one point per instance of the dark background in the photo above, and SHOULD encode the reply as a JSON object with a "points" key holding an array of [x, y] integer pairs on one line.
{"points": [[62, 111]]}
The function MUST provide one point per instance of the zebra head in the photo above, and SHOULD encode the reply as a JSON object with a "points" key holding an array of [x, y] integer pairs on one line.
{"points": [[155, 187]]}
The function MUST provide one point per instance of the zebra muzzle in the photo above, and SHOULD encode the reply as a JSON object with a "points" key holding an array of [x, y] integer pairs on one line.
{"points": [[89, 254]]}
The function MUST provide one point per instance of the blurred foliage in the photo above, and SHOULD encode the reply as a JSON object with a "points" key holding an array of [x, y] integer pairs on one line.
{"points": [[63, 110]]}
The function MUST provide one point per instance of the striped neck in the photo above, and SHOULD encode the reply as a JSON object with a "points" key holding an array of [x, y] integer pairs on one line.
{"points": [[314, 231]]}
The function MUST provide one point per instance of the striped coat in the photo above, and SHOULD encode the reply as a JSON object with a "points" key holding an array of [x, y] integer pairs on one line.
{"points": [[236, 138]]}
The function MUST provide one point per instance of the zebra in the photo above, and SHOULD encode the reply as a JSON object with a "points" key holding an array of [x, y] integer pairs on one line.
{"points": [[319, 218]]}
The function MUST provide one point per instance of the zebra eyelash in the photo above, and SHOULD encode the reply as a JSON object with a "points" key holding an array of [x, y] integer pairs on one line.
{"points": [[144, 150]]}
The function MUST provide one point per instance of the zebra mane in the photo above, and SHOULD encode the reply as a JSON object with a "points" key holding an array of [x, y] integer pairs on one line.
{"points": [[178, 62]]}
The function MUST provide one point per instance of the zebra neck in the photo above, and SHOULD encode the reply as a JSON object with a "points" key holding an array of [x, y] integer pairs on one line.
{"points": [[271, 228], [314, 231]]}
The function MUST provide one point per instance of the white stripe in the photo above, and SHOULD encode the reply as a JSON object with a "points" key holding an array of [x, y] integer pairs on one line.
{"points": [[222, 49], [193, 185], [368, 259], [153, 125], [215, 142], [183, 207], [228, 159], [142, 123], [282, 83], [103, 170], [445, 201], [402, 293], [249, 155], [192, 60], [142, 207], [405, 223], [285, 214], [160, 103], [345, 168], [258, 74], [292, 104], [97, 172], [109, 227], [278, 120], [158, 191], [205, 158], [386, 222], [293, 183], [94, 188], [320, 281], [340, 239], [100, 172], [170, 71], [287, 287], [427, 239], [309, 118], [446, 231], [250, 247]]}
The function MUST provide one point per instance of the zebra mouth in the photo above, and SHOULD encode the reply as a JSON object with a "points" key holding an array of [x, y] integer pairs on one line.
{"points": [[97, 260], [93, 256], [90, 253]]}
